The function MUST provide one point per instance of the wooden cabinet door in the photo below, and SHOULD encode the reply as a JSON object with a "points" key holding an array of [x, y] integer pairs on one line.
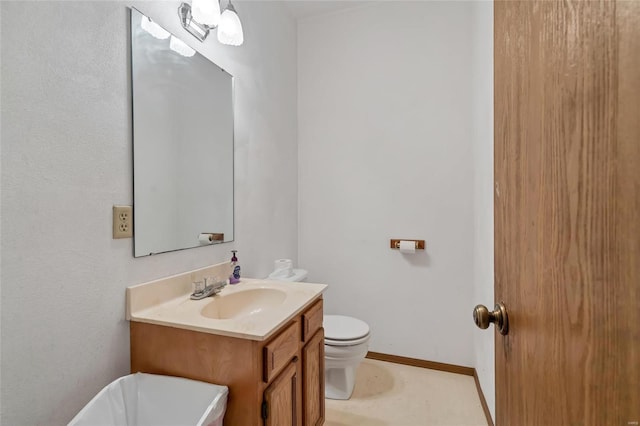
{"points": [[279, 351], [313, 377], [312, 321], [281, 405], [567, 212]]}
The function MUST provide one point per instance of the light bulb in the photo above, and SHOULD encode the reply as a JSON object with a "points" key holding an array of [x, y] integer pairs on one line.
{"points": [[154, 29], [180, 47], [230, 28], [206, 12]]}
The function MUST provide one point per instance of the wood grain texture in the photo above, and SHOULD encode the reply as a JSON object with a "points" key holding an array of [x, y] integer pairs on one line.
{"points": [[312, 320], [567, 211], [313, 376], [279, 351], [414, 362], [281, 396], [222, 360]]}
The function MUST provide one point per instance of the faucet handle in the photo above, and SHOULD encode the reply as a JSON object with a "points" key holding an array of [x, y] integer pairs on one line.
{"points": [[199, 286]]}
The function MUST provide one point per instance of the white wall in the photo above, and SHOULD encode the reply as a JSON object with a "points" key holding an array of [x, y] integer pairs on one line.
{"points": [[483, 340], [386, 151], [66, 159]]}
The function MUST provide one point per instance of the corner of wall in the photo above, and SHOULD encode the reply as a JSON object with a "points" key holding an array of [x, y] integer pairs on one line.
{"points": [[484, 341]]}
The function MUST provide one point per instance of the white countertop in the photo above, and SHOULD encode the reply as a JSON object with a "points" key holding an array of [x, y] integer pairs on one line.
{"points": [[162, 303]]}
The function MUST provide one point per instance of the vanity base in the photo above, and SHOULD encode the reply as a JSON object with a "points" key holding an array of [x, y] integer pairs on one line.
{"points": [[251, 369]]}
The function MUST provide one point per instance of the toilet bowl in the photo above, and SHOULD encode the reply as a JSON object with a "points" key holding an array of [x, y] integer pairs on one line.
{"points": [[346, 342]]}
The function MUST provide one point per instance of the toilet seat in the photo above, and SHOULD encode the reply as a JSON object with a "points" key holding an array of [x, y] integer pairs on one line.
{"points": [[346, 342], [340, 330]]}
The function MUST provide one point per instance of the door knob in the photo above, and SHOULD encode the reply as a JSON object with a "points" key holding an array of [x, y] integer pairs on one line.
{"points": [[482, 316]]}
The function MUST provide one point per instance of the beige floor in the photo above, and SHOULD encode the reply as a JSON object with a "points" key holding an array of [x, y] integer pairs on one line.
{"points": [[388, 394]]}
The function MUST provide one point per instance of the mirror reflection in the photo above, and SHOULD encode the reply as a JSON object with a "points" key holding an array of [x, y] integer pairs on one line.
{"points": [[182, 143]]}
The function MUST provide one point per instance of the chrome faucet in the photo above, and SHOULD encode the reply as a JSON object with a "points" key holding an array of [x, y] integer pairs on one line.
{"points": [[208, 290]]}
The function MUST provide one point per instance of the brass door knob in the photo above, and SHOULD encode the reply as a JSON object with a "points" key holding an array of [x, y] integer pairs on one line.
{"points": [[482, 316]]}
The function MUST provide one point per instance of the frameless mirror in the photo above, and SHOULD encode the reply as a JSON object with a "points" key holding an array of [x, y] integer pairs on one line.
{"points": [[182, 143]]}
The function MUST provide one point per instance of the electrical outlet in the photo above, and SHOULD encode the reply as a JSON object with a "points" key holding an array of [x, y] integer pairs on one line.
{"points": [[122, 222]]}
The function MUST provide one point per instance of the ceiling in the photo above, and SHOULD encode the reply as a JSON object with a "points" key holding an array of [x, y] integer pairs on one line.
{"points": [[301, 9]]}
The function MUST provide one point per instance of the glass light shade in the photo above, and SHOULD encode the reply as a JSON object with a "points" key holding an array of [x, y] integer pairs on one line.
{"points": [[180, 47], [154, 29], [206, 12], [230, 28]]}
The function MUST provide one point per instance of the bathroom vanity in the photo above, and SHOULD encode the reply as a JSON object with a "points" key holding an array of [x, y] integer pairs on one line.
{"points": [[262, 339]]}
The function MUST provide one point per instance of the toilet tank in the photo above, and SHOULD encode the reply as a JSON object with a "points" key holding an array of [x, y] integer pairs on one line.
{"points": [[297, 275]]}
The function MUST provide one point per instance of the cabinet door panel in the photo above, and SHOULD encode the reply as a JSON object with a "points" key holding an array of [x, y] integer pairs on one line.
{"points": [[312, 320], [282, 398], [313, 377], [279, 351]]}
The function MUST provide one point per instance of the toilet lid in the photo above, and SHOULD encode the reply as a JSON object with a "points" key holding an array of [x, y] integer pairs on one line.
{"points": [[340, 327]]}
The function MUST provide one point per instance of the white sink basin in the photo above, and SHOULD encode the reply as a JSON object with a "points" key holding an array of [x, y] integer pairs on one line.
{"points": [[243, 303], [252, 309]]}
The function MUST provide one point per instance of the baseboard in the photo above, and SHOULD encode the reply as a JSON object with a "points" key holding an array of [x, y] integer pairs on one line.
{"points": [[451, 368], [483, 401], [441, 366]]}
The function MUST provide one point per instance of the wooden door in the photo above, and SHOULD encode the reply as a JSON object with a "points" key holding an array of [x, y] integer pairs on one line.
{"points": [[282, 398], [567, 211], [313, 376]]}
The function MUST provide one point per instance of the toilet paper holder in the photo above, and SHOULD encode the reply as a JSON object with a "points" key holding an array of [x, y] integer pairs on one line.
{"points": [[212, 236], [395, 243]]}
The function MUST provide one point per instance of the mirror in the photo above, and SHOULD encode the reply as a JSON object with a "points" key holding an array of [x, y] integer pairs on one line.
{"points": [[182, 143]]}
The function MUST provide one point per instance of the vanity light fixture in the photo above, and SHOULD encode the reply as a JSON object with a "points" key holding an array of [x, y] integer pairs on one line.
{"points": [[206, 12], [230, 29], [202, 16]]}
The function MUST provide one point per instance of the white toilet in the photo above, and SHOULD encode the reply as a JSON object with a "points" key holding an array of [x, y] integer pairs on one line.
{"points": [[346, 341]]}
